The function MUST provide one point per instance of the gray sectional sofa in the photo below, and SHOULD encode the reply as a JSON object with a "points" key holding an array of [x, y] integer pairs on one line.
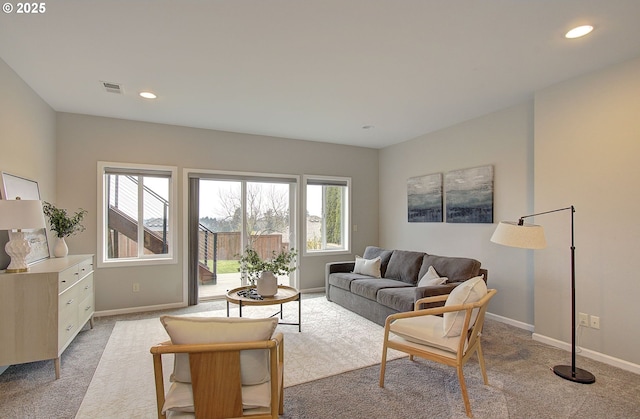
{"points": [[396, 290]]}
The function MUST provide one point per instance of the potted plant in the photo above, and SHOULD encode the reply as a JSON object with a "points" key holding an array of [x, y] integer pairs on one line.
{"points": [[63, 225], [263, 273]]}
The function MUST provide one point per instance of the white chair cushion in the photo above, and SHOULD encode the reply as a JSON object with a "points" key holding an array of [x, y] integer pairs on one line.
{"points": [[425, 330], [254, 364], [470, 291], [179, 398], [431, 278], [369, 267]]}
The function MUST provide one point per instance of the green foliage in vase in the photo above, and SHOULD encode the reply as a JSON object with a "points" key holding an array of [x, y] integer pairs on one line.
{"points": [[61, 223], [252, 265]]}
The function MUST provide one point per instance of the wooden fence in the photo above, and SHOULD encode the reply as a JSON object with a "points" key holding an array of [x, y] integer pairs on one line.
{"points": [[228, 245]]}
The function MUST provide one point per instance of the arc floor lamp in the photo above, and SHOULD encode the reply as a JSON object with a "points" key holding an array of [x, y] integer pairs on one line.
{"points": [[531, 236]]}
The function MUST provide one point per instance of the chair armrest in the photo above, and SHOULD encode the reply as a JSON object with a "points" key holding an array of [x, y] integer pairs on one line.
{"points": [[430, 301], [434, 290], [439, 310]]}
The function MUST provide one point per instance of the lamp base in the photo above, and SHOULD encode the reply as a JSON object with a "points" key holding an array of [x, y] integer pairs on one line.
{"points": [[580, 376]]}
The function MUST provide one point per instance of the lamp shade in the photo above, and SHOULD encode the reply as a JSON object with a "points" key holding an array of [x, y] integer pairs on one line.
{"points": [[526, 236], [21, 214]]}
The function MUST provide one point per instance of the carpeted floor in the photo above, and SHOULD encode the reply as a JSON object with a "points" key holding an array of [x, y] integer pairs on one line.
{"points": [[521, 384]]}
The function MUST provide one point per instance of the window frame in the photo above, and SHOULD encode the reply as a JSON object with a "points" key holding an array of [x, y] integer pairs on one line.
{"points": [[140, 169], [346, 221]]}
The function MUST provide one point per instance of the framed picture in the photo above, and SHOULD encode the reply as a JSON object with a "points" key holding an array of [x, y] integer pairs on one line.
{"points": [[469, 195], [16, 186], [424, 199]]}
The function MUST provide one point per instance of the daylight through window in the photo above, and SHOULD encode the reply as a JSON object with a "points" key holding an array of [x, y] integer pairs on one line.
{"points": [[327, 214]]}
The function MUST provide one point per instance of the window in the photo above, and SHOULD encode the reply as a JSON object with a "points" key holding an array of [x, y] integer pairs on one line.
{"points": [[327, 214], [137, 213]]}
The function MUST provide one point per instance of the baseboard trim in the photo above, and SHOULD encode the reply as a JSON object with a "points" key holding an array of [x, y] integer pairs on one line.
{"points": [[115, 312], [506, 320], [588, 353]]}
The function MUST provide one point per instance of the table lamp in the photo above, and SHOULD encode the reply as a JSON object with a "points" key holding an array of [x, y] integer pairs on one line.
{"points": [[18, 215]]}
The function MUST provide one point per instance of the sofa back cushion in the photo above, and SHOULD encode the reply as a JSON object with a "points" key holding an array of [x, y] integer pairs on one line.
{"points": [[372, 252], [455, 268], [404, 266]]}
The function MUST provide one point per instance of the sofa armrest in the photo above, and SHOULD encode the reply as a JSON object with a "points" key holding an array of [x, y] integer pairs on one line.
{"points": [[334, 267], [485, 274]]}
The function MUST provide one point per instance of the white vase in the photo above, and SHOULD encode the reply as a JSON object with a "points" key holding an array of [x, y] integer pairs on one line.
{"points": [[60, 248], [267, 284]]}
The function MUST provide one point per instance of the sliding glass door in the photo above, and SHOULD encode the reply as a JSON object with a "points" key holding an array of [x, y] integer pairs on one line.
{"points": [[236, 212]]}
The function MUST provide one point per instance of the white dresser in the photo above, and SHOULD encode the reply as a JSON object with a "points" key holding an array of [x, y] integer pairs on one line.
{"points": [[42, 310]]}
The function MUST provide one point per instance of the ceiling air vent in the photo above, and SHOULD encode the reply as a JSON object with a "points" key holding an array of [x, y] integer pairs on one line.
{"points": [[112, 87]]}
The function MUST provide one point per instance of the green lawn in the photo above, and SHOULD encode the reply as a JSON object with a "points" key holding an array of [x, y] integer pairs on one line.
{"points": [[225, 266]]}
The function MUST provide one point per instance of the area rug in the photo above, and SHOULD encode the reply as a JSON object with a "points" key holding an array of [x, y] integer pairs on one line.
{"points": [[333, 340]]}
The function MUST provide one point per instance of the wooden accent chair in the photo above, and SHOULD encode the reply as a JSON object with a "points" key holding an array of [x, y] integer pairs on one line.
{"points": [[216, 389], [431, 333]]}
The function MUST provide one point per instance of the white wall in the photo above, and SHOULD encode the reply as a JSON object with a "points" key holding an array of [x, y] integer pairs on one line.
{"points": [[27, 138], [85, 140], [587, 144], [503, 139]]}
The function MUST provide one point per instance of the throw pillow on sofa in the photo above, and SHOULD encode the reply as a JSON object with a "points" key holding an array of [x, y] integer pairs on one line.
{"points": [[369, 267], [469, 291], [432, 278]]}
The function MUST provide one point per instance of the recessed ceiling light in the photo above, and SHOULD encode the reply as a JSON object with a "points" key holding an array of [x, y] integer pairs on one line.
{"points": [[148, 95], [579, 31]]}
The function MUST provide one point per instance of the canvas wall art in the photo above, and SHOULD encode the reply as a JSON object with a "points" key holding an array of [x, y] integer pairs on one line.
{"points": [[424, 198], [16, 186], [469, 195]]}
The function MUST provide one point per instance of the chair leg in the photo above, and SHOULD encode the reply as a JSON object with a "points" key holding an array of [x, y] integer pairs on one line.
{"points": [[383, 364], [463, 389], [482, 366]]}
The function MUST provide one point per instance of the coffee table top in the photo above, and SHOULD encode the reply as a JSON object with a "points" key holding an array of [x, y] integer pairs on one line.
{"points": [[284, 295]]}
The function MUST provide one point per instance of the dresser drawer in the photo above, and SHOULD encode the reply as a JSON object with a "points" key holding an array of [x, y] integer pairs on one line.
{"points": [[67, 278], [85, 287], [85, 267], [68, 302], [85, 309]]}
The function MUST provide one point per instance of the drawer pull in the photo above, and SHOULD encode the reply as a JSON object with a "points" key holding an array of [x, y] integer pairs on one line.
{"points": [[69, 327], [64, 280], [86, 287], [75, 273], [70, 301], [88, 308]]}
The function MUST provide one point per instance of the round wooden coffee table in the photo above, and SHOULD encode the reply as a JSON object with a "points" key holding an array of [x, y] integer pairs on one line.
{"points": [[285, 294]]}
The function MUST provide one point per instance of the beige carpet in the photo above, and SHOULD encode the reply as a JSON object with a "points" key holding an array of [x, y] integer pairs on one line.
{"points": [[333, 340]]}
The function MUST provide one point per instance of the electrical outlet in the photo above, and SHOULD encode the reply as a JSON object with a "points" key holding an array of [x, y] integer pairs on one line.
{"points": [[136, 287], [595, 322], [583, 319]]}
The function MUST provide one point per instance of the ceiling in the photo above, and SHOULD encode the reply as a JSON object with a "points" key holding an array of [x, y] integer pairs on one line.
{"points": [[315, 70]]}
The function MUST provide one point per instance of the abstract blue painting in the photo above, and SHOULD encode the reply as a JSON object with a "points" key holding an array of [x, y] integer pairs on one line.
{"points": [[469, 195], [424, 198]]}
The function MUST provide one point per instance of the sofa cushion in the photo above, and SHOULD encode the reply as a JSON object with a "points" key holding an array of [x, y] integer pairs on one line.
{"points": [[369, 267], [470, 291], [404, 266], [398, 298], [368, 288], [343, 279], [455, 268], [372, 252]]}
